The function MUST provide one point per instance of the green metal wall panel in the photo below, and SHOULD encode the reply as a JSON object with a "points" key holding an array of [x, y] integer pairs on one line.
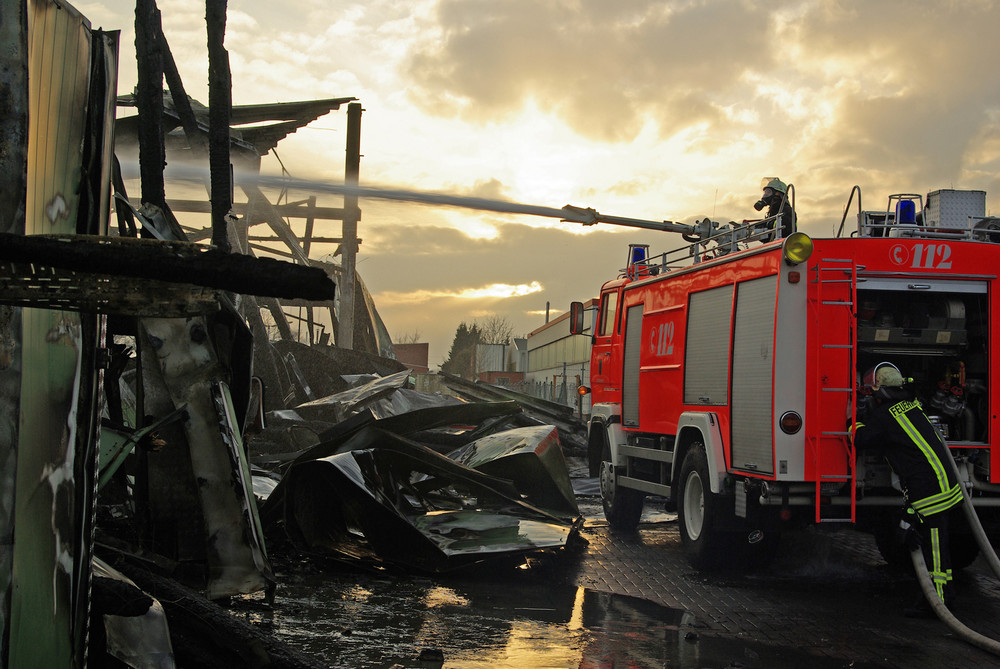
{"points": [[57, 422]]}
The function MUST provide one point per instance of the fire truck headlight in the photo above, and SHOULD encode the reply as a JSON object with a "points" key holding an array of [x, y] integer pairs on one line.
{"points": [[790, 422], [797, 248]]}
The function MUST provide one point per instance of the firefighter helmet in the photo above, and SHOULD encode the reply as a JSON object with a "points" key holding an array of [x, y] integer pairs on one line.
{"points": [[777, 185], [882, 379]]}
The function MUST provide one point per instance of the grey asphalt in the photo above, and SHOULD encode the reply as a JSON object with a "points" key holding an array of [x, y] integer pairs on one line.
{"points": [[827, 592]]}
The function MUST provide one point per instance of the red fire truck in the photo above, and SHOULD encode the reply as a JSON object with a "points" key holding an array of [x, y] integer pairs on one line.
{"points": [[724, 374]]}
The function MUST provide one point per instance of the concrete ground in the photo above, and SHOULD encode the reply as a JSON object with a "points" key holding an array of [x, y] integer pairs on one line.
{"points": [[827, 592]]}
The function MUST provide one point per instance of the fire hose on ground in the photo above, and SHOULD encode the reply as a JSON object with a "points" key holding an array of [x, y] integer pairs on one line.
{"points": [[927, 585]]}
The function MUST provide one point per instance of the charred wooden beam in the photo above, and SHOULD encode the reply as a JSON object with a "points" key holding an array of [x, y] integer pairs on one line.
{"points": [[279, 316], [43, 287], [195, 138], [352, 171], [267, 249], [220, 103], [313, 240], [174, 262], [149, 102], [289, 210], [259, 203]]}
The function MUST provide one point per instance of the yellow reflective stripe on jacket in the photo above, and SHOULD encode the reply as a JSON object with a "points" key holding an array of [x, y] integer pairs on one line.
{"points": [[937, 575], [928, 506], [932, 459]]}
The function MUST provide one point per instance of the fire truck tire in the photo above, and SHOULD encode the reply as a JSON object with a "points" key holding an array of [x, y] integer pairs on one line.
{"points": [[622, 506], [698, 513]]}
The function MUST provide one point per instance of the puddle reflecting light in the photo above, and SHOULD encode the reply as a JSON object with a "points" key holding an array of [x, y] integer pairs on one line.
{"points": [[576, 618], [439, 596]]}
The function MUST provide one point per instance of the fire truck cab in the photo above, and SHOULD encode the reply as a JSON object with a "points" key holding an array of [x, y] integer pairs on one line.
{"points": [[725, 374]]}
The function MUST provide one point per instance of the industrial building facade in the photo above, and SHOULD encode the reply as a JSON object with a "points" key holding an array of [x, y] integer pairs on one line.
{"points": [[559, 362]]}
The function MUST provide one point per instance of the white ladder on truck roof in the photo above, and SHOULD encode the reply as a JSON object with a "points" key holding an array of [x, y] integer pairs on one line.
{"points": [[834, 353]]}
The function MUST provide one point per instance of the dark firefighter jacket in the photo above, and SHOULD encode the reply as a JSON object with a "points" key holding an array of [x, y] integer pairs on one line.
{"points": [[902, 433], [781, 205]]}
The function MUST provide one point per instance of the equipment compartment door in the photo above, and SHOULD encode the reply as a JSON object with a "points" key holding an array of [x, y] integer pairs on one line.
{"points": [[706, 352], [753, 375], [630, 375]]}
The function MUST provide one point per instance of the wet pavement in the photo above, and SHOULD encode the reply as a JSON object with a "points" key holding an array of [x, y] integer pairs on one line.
{"points": [[828, 600]]}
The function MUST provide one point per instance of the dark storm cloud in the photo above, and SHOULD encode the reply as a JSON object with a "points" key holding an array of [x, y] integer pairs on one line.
{"points": [[603, 67]]}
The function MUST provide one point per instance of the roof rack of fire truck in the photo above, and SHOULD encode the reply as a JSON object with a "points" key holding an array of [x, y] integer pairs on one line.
{"points": [[985, 229], [719, 241], [707, 239], [946, 214]]}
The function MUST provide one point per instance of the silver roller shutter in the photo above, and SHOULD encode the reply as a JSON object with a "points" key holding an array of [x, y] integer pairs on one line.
{"points": [[753, 375], [630, 373], [706, 354]]}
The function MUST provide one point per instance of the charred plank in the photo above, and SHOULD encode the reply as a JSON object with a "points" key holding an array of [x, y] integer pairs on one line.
{"points": [[172, 262]]}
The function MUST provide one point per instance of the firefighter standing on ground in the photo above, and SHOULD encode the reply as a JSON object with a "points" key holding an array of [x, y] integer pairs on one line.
{"points": [[775, 198], [894, 424]]}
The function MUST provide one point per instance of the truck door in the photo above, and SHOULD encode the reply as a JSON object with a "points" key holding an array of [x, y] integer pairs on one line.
{"points": [[605, 368]]}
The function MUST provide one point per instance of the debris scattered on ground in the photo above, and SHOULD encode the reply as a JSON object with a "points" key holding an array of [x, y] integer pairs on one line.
{"points": [[369, 490]]}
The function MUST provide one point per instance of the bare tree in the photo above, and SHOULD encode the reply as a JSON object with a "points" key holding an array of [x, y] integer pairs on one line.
{"points": [[407, 338], [495, 329]]}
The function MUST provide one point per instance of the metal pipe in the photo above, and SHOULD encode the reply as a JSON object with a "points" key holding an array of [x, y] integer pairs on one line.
{"points": [[979, 484], [843, 500]]}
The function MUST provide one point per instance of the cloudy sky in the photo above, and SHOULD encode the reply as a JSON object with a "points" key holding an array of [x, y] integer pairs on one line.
{"points": [[655, 110]]}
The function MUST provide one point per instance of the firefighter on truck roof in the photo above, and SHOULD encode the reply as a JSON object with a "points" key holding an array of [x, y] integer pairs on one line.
{"points": [[891, 422], [775, 198]]}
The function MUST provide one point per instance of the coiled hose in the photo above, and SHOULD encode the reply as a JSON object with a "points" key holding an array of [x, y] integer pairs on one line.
{"points": [[927, 585], [942, 612]]}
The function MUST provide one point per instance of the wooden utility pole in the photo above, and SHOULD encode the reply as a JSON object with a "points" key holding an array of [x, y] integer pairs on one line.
{"points": [[220, 104], [349, 247]]}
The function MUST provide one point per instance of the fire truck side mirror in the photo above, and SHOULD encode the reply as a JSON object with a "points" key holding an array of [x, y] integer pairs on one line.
{"points": [[576, 318]]}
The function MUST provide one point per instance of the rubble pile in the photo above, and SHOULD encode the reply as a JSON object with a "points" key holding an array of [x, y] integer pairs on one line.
{"points": [[381, 472]]}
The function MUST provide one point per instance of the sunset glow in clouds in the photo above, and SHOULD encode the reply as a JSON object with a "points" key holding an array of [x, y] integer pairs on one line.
{"points": [[655, 110], [497, 290]]}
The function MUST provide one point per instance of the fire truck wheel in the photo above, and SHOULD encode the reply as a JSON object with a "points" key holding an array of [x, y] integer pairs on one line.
{"points": [[622, 506], [698, 513]]}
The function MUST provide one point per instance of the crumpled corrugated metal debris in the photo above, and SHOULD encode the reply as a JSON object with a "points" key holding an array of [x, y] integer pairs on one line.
{"points": [[369, 494]]}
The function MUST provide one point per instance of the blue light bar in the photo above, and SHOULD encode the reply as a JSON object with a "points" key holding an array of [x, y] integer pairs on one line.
{"points": [[637, 253], [906, 212]]}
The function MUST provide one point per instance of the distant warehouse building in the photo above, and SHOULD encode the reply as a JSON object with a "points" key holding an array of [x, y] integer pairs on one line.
{"points": [[559, 362], [499, 364]]}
